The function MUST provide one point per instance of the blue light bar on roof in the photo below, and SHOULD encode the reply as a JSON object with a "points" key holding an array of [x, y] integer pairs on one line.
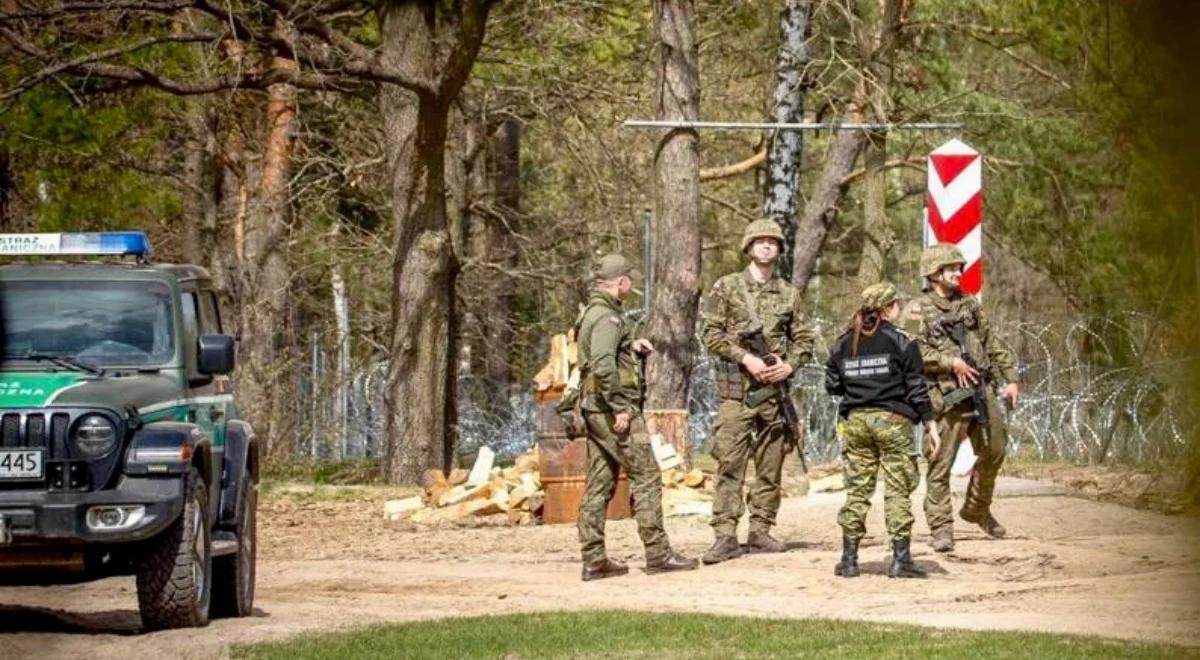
{"points": [[121, 243]]}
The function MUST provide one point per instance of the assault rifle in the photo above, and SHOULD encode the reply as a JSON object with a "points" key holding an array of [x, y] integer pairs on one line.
{"points": [[756, 342], [978, 394]]}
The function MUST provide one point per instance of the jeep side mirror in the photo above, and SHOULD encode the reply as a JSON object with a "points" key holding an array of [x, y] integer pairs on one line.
{"points": [[215, 354]]}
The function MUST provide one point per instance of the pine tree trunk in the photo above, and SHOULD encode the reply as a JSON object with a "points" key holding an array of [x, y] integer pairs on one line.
{"points": [[822, 208], [877, 235], [506, 182], [265, 277], [200, 194], [676, 273], [420, 397], [7, 184], [787, 147]]}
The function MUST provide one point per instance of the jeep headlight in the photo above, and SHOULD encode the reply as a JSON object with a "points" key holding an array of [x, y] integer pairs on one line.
{"points": [[95, 435]]}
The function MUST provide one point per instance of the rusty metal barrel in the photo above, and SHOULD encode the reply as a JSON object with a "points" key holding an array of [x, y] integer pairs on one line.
{"points": [[562, 468]]}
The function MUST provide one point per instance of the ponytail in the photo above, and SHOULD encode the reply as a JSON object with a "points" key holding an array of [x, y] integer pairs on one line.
{"points": [[864, 322]]}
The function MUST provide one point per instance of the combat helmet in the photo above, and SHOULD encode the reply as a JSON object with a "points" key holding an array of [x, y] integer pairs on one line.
{"points": [[765, 228], [937, 257]]}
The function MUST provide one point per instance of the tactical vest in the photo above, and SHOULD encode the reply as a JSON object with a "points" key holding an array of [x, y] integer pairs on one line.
{"points": [[733, 381], [628, 369]]}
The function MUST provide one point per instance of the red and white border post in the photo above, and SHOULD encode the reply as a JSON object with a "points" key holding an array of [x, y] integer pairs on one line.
{"points": [[954, 206]]}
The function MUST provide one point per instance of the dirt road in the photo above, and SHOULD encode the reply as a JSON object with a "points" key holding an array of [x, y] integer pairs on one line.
{"points": [[1069, 565]]}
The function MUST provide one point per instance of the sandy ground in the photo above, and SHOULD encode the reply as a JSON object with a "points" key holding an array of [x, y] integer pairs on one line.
{"points": [[1069, 565]]}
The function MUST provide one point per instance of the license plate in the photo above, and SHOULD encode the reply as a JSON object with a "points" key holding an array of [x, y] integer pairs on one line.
{"points": [[21, 464]]}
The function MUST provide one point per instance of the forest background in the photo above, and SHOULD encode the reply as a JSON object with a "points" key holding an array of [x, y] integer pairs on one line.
{"points": [[399, 199]]}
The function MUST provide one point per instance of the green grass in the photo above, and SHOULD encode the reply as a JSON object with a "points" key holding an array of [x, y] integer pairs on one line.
{"points": [[617, 634]]}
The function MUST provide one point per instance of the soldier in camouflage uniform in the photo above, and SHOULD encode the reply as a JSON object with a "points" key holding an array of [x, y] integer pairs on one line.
{"points": [[611, 401], [743, 301], [945, 311], [876, 370]]}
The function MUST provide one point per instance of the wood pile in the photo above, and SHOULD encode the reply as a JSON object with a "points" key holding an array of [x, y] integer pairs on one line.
{"points": [[511, 495], [687, 493]]}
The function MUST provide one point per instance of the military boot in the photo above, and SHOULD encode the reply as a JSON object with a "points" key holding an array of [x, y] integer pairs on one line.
{"points": [[604, 568], [764, 542], [672, 562], [848, 566], [943, 538], [902, 565], [723, 549], [986, 521]]}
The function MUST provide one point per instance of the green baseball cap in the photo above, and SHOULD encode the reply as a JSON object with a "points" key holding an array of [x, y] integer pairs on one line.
{"points": [[879, 295]]}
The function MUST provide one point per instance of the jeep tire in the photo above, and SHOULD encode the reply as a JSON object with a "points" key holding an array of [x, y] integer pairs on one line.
{"points": [[233, 575], [174, 572]]}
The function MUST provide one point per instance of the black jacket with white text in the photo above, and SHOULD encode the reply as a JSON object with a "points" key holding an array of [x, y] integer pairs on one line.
{"points": [[884, 373]]}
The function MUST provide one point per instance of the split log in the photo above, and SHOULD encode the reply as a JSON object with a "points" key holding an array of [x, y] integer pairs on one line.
{"points": [[521, 494], [527, 462], [460, 494], [457, 476], [669, 477], [434, 495], [431, 479], [459, 511], [401, 509]]}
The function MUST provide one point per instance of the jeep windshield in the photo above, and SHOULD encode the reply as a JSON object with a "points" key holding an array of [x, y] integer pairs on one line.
{"points": [[94, 323]]}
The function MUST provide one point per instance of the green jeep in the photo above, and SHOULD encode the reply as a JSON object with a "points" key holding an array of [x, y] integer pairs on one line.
{"points": [[122, 450]]}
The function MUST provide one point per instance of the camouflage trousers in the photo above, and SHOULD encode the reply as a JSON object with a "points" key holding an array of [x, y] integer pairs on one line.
{"points": [[956, 425], [877, 440], [609, 451], [743, 433]]}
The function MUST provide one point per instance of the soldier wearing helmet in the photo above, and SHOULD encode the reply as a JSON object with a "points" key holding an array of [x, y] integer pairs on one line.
{"points": [[754, 298], [959, 354]]}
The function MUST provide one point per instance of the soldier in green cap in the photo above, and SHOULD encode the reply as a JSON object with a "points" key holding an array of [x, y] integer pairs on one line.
{"points": [[611, 401], [876, 369], [739, 304], [961, 358]]}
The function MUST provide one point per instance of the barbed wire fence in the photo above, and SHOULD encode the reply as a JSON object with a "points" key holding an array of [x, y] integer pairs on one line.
{"points": [[1094, 390]]}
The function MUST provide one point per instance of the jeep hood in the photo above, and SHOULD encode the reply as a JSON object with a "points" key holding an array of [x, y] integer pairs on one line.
{"points": [[67, 388]]}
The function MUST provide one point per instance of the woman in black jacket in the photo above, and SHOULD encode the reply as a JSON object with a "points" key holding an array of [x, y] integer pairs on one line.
{"points": [[876, 370]]}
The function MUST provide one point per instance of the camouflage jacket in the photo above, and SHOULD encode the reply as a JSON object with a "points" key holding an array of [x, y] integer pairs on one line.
{"points": [[777, 303], [934, 316], [609, 369]]}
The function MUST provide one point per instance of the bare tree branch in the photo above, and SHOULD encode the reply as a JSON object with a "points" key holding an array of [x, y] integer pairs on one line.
{"points": [[90, 7], [734, 169], [32, 80]]}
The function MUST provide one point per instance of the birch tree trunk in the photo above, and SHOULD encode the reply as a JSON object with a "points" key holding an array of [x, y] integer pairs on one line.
{"points": [[676, 235], [787, 147]]}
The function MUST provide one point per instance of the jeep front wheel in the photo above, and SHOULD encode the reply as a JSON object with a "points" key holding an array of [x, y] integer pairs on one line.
{"points": [[233, 575], [175, 570]]}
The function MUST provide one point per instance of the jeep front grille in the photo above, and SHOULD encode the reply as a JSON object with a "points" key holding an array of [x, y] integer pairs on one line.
{"points": [[50, 429], [29, 429]]}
